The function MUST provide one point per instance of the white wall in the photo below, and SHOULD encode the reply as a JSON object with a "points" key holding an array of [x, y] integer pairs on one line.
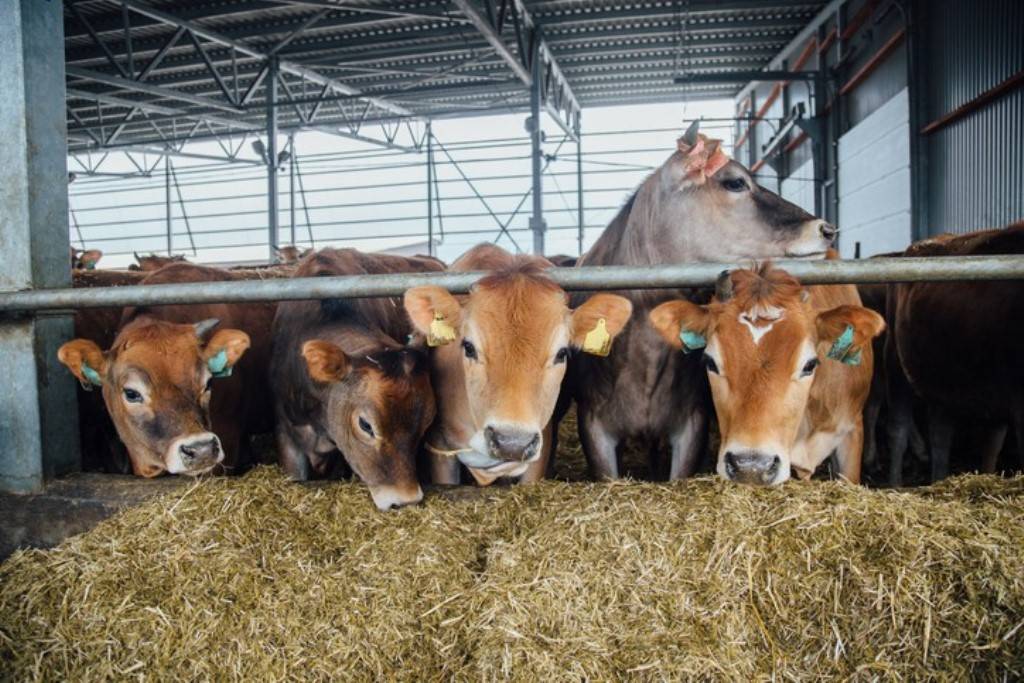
{"points": [[874, 181], [798, 187]]}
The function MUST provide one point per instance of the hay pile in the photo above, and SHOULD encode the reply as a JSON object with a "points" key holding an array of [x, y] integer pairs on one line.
{"points": [[256, 578]]}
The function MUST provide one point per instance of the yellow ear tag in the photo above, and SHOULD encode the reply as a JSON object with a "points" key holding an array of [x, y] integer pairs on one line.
{"points": [[441, 333], [598, 341]]}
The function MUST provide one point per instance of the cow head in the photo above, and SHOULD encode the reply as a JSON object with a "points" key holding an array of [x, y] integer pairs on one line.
{"points": [[509, 344], [290, 254], [85, 260], [157, 379], [763, 342], [376, 409], [700, 205]]}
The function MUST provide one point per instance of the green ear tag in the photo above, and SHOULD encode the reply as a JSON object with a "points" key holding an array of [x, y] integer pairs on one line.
{"points": [[692, 341], [841, 348], [91, 375], [218, 364]]}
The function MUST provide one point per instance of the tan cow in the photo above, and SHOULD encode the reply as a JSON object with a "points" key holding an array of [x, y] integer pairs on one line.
{"points": [[501, 361], [781, 402], [152, 262], [86, 259]]}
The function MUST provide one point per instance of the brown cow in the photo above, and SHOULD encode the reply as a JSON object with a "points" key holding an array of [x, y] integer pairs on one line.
{"points": [[159, 375], [498, 379], [85, 259], [958, 346], [698, 206], [344, 380], [781, 403], [148, 264]]}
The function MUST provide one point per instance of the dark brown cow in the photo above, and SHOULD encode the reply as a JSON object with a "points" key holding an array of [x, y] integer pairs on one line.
{"points": [[101, 448], [175, 382], [345, 380], [958, 346], [698, 206], [771, 350], [498, 375]]}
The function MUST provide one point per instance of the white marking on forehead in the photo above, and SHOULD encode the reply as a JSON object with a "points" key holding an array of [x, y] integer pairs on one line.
{"points": [[760, 320]]}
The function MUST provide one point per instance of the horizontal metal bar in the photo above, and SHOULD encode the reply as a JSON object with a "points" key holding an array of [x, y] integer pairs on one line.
{"points": [[150, 89], [745, 76], [603, 277]]}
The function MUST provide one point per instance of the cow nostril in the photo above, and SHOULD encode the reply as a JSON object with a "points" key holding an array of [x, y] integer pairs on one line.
{"points": [[730, 465], [776, 463]]}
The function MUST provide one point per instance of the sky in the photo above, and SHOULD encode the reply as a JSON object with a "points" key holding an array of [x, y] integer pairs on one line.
{"points": [[358, 195]]}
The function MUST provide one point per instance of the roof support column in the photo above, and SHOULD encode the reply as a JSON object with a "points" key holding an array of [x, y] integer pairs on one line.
{"points": [[38, 412], [537, 224], [272, 159]]}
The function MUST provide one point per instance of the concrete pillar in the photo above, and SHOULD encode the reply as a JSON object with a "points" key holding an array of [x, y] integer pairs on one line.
{"points": [[38, 411]]}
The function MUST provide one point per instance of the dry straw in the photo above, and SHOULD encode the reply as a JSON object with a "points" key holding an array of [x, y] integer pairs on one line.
{"points": [[257, 578]]}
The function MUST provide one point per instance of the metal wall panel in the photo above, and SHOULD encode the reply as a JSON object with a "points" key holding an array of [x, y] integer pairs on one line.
{"points": [[975, 164]]}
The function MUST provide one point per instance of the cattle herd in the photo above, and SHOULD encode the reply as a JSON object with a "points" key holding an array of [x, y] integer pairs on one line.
{"points": [[433, 386]]}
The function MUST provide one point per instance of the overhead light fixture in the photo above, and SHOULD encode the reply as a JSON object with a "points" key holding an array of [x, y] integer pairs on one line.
{"points": [[283, 157], [260, 149], [72, 177]]}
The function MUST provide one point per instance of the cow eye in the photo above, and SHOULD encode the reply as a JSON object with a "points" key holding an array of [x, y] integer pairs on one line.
{"points": [[710, 365], [132, 396], [562, 355], [365, 426], [809, 367], [469, 349], [209, 384], [734, 184]]}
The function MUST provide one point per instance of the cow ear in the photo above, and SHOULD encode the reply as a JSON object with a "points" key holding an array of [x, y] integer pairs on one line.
{"points": [[223, 351], [848, 329], [434, 312], [90, 258], [683, 324], [597, 322], [325, 361], [85, 360]]}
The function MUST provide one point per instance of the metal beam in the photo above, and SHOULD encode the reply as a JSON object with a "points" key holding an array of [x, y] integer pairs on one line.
{"points": [[271, 151], [746, 76], [675, 276], [158, 109], [243, 48], [537, 224], [38, 415], [149, 89], [494, 39]]}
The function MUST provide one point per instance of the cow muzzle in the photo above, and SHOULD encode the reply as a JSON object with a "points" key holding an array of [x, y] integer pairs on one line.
{"points": [[752, 467], [509, 444], [391, 497], [194, 454]]}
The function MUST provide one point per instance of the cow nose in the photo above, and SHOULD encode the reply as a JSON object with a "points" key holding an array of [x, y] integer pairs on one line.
{"points": [[828, 231], [200, 453], [752, 468], [512, 445]]}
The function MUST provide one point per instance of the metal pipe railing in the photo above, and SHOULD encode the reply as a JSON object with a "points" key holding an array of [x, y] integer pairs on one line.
{"points": [[594, 278]]}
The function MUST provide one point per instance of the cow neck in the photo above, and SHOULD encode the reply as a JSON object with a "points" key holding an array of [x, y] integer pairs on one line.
{"points": [[453, 426]]}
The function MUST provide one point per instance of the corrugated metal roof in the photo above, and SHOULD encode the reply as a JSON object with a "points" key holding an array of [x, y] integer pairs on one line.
{"points": [[421, 57]]}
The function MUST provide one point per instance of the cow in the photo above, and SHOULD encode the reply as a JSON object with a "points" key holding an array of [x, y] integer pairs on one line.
{"points": [[698, 206], [501, 354], [291, 254], [85, 259], [153, 262], [956, 346], [347, 385], [772, 352], [101, 449], [176, 385]]}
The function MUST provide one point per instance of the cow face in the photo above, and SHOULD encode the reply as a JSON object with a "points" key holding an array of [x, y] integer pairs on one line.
{"points": [[148, 264], [764, 343], [85, 260], [157, 379], [376, 410], [699, 205], [510, 342]]}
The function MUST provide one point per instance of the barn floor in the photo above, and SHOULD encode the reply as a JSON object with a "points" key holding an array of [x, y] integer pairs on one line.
{"points": [[257, 578]]}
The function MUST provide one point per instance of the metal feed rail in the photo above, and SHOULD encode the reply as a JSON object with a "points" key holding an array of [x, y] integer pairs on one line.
{"points": [[594, 278]]}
